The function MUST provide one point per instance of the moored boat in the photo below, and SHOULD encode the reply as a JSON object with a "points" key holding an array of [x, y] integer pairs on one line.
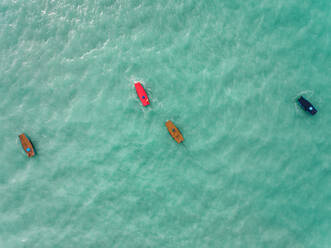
{"points": [[142, 94], [174, 132], [27, 145], [307, 106]]}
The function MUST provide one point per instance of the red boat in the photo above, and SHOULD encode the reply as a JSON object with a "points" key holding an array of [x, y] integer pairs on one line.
{"points": [[27, 145], [142, 94]]}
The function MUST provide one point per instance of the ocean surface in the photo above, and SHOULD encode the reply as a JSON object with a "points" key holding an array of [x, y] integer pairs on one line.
{"points": [[254, 169]]}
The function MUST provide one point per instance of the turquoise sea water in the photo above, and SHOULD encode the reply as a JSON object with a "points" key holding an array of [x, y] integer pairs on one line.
{"points": [[254, 170]]}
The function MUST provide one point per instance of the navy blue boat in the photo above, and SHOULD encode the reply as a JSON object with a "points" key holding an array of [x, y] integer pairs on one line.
{"points": [[306, 105]]}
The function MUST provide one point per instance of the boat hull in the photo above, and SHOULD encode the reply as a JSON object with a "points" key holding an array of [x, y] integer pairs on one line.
{"points": [[307, 106], [27, 145], [142, 94], [174, 132]]}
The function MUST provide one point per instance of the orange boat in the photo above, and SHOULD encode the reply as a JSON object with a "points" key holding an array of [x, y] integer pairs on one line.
{"points": [[27, 145], [174, 132]]}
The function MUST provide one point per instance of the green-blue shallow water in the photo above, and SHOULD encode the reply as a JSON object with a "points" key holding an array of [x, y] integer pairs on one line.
{"points": [[254, 170]]}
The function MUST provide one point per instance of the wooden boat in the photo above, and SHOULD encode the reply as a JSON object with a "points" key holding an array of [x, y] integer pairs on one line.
{"points": [[142, 94], [307, 106], [27, 145], [174, 132]]}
